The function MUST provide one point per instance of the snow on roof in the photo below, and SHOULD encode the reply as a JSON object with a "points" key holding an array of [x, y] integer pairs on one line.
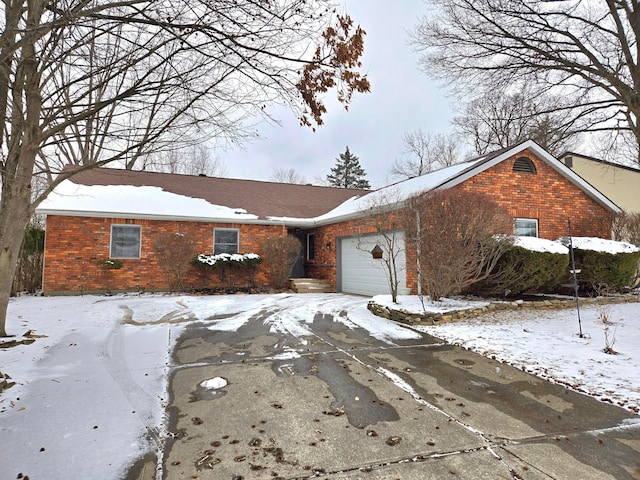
{"points": [[117, 198], [394, 193], [252, 197], [600, 245], [149, 201], [536, 244], [127, 200]]}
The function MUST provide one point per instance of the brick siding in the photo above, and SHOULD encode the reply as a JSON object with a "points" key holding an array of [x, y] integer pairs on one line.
{"points": [[75, 244], [546, 196]]}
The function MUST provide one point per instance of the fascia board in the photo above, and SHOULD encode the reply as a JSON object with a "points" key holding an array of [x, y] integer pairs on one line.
{"points": [[140, 216]]}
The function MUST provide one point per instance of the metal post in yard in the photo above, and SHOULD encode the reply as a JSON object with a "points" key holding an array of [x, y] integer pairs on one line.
{"points": [[575, 279]]}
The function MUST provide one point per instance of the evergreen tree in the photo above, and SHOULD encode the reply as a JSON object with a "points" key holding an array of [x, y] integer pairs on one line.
{"points": [[347, 173]]}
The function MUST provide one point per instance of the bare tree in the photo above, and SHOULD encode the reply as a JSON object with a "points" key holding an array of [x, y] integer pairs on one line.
{"points": [[204, 163], [105, 81], [626, 227], [621, 147], [585, 52], [380, 214], [192, 160], [497, 120], [453, 234], [284, 175], [425, 152]]}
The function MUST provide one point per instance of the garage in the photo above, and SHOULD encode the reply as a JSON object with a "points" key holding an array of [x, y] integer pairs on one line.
{"points": [[359, 273]]}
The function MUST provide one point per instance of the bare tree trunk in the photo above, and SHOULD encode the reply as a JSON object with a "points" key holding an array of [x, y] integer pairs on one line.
{"points": [[14, 216], [16, 207], [15, 211]]}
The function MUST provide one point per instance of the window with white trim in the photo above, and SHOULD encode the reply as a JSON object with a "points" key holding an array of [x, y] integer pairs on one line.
{"points": [[526, 227], [226, 240], [125, 241]]}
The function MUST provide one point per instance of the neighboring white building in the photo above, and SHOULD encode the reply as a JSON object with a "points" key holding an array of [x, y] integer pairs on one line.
{"points": [[619, 183]]}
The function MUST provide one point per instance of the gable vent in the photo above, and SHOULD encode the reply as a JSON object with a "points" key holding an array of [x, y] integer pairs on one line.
{"points": [[524, 165]]}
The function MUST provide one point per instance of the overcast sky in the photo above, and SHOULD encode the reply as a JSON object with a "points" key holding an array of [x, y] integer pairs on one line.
{"points": [[402, 98]]}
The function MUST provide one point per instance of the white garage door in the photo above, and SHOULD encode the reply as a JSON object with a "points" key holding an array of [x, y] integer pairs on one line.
{"points": [[360, 273]]}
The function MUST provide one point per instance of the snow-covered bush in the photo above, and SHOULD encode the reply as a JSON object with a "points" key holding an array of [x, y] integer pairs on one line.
{"points": [[224, 262], [605, 265], [532, 265], [221, 260]]}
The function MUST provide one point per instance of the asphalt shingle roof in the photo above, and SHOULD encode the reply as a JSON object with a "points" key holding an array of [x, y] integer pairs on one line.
{"points": [[256, 197]]}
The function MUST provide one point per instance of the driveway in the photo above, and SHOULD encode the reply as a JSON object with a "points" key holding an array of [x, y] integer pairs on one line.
{"points": [[305, 394]]}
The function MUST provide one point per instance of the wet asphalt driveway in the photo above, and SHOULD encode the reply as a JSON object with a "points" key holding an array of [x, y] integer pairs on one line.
{"points": [[332, 401]]}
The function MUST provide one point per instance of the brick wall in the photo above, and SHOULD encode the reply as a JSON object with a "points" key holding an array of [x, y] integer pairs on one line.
{"points": [[74, 244], [546, 196], [325, 262]]}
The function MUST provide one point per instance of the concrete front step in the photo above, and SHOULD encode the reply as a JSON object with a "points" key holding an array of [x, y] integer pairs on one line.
{"points": [[310, 285]]}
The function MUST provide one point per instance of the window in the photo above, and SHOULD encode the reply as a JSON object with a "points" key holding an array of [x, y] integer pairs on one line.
{"points": [[524, 165], [526, 227], [311, 246], [225, 240], [125, 241], [568, 161]]}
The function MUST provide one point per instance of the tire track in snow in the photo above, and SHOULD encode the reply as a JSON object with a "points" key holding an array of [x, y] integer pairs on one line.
{"points": [[113, 352]]}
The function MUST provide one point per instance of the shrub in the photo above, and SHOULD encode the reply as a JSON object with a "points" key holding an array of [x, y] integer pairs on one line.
{"points": [[453, 234], [282, 253], [521, 270], [173, 252], [602, 270], [28, 276], [626, 228], [222, 262], [605, 265]]}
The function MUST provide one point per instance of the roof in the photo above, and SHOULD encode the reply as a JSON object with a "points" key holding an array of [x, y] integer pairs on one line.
{"points": [[451, 176], [135, 194], [598, 160], [121, 193]]}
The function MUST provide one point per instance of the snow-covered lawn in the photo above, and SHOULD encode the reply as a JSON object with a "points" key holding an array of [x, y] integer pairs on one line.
{"points": [[90, 391], [547, 343]]}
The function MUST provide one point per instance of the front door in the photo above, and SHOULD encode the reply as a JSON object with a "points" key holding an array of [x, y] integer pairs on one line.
{"points": [[298, 267]]}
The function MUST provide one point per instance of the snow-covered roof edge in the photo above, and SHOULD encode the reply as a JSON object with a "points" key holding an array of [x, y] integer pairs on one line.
{"points": [[352, 208], [140, 202]]}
